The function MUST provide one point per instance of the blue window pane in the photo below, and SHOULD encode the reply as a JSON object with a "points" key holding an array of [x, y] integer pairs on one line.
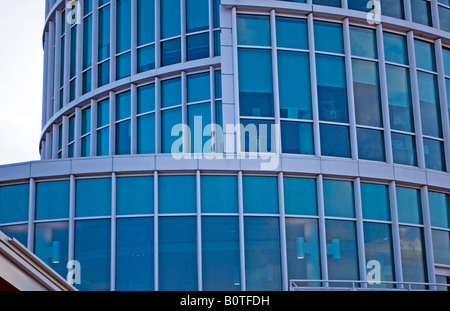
{"points": [[294, 85], [255, 83], [123, 42], [103, 142], [123, 66], [446, 55], [123, 105], [87, 7], [104, 33], [73, 52], [367, 93], [444, 18], [302, 241], [93, 197], [199, 117], [404, 149], [169, 119], [219, 194], [145, 21], [18, 232], [300, 196], [338, 198], [184, 201], [220, 254], [198, 87], [441, 246], [253, 30], [52, 200], [171, 93], [421, 12], [342, 251], [197, 15], [328, 37], [262, 253], [413, 257], [434, 154], [146, 98], [217, 43], [171, 52], [425, 58], [360, 5], [103, 73], [375, 201], [216, 13], [395, 49], [146, 58], [87, 42], [93, 251], [335, 141], [14, 203], [198, 46], [399, 96], [292, 33], [257, 136], [123, 137], [331, 89], [447, 87], [260, 194], [429, 104], [392, 8], [439, 209], [170, 18], [135, 254], [177, 254], [297, 138], [85, 121], [146, 134], [370, 144], [378, 247], [135, 195], [335, 3], [51, 245], [409, 206], [363, 41], [86, 146]]}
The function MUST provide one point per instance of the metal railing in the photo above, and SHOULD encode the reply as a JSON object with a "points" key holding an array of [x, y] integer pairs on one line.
{"points": [[356, 285]]}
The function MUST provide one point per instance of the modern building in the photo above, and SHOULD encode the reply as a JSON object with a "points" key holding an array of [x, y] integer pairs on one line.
{"points": [[314, 150]]}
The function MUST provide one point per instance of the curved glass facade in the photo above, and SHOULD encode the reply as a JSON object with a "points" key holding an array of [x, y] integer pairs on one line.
{"points": [[159, 117]]}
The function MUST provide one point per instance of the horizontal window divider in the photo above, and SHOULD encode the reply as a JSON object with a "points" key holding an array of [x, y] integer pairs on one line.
{"points": [[219, 214], [410, 224], [403, 132], [134, 216], [145, 113], [86, 69], [103, 61], [301, 216], [396, 64], [433, 138], [333, 123], [7, 224], [426, 71], [197, 32], [292, 50], [440, 229], [199, 102], [145, 45], [256, 47], [43, 221], [176, 214], [102, 127], [257, 118], [92, 217], [123, 53], [171, 107], [370, 127], [328, 53], [297, 120], [171, 38], [340, 218], [375, 221], [374, 60], [260, 215]]}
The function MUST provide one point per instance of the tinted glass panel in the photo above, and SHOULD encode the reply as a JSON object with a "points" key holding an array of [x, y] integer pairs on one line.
{"points": [[375, 201], [409, 206], [297, 138], [338, 198], [395, 49], [335, 140], [429, 104], [412, 251], [253, 30], [404, 149], [14, 203], [135, 195], [292, 33], [52, 200], [170, 118], [439, 209], [300, 196], [219, 194], [328, 37], [170, 18], [260, 194], [370, 144], [399, 96], [434, 154], [184, 201], [441, 246], [363, 41], [425, 58], [93, 197]]}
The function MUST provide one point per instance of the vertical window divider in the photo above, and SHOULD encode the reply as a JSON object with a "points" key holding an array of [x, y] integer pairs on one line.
{"points": [[428, 240], [183, 32], [360, 231], [241, 231], [350, 95], [322, 231], [415, 99], [31, 214], [44, 82], [50, 68], [133, 126], [156, 230], [211, 28], [113, 230], [395, 234], [157, 34], [79, 55], [134, 13], [237, 134], [384, 95], [313, 77], [157, 115], [407, 8], [93, 146], [276, 91], [184, 114], [57, 69], [78, 116], [48, 146], [283, 246], [95, 20], [55, 140], [443, 98], [435, 14], [112, 122], [71, 248], [199, 231], [212, 87], [113, 41], [67, 40], [65, 138]]}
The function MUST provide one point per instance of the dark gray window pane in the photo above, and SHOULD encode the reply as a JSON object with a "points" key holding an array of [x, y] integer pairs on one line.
{"points": [[297, 138], [421, 12], [360, 5], [335, 140], [444, 18], [392, 8], [370, 144]]}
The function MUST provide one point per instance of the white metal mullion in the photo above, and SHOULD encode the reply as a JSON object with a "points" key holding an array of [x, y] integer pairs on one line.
{"points": [[113, 41], [183, 31], [241, 232], [79, 55], [134, 13], [133, 126], [50, 36], [57, 69], [113, 231], [397, 255], [199, 232], [322, 230], [283, 242], [237, 133], [428, 239], [112, 123], [407, 8], [157, 34], [95, 21], [156, 231], [212, 86], [360, 231], [31, 214], [72, 202], [276, 92]]}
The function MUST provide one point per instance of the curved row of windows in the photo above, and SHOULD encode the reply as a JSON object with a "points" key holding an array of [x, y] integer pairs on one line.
{"points": [[344, 90], [142, 120], [260, 230], [111, 40], [418, 11]]}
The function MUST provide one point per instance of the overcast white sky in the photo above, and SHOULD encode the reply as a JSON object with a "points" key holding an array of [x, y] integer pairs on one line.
{"points": [[21, 61]]}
